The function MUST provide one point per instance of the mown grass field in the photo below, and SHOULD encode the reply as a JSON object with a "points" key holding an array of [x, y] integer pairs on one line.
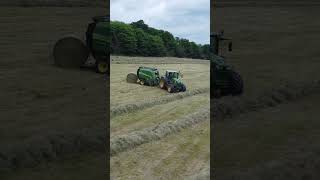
{"points": [[267, 132], [162, 151], [273, 46], [46, 110]]}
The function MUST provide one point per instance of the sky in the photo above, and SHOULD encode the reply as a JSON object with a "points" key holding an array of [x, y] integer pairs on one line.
{"points": [[189, 19]]}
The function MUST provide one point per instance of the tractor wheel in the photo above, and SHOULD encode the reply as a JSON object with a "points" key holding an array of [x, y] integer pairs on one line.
{"points": [[170, 89], [132, 78], [70, 52], [183, 88], [162, 84], [236, 84], [102, 67]]}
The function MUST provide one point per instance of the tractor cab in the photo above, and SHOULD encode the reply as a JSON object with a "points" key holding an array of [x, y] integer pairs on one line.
{"points": [[170, 74]]}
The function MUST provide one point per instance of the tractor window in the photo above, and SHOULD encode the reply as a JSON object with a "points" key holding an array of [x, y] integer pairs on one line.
{"points": [[170, 74], [175, 75]]}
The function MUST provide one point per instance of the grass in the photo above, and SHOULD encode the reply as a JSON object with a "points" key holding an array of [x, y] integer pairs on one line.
{"points": [[82, 167], [176, 156], [264, 135], [195, 76], [149, 116], [38, 100], [157, 114]]}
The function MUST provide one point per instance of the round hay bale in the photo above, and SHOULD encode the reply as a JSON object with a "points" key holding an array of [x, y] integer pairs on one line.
{"points": [[70, 52], [132, 78]]}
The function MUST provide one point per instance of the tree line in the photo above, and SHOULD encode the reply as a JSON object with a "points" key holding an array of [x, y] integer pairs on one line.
{"points": [[138, 39]]}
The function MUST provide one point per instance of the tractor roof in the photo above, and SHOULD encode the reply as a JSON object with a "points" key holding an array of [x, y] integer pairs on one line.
{"points": [[172, 71]]}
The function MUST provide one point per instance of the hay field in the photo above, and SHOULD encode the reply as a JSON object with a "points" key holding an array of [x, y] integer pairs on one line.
{"points": [[153, 136], [47, 113], [267, 132]]}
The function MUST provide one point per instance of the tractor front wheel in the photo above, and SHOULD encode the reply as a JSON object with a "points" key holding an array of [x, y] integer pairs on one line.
{"points": [[170, 89], [183, 89]]}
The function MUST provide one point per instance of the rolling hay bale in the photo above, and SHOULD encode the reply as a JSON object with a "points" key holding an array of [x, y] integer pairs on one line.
{"points": [[131, 140], [118, 110], [132, 78], [230, 106], [70, 52]]}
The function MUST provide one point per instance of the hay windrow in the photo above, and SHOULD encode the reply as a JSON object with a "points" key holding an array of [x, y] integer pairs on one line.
{"points": [[131, 140], [204, 174], [230, 106], [51, 147], [302, 165], [128, 108]]}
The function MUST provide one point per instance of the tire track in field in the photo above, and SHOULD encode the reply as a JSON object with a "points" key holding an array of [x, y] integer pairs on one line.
{"points": [[228, 107], [122, 109], [131, 140]]}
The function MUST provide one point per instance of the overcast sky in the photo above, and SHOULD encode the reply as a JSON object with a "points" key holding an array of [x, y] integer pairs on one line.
{"points": [[188, 19]]}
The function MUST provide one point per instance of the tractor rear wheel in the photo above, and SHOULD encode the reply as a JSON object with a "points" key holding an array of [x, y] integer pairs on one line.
{"points": [[236, 83], [70, 52], [132, 78]]}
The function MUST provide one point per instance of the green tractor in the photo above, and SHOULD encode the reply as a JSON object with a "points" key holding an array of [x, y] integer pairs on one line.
{"points": [[145, 76], [73, 53], [224, 79], [172, 82]]}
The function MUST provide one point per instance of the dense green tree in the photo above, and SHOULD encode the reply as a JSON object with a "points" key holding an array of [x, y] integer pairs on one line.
{"points": [[169, 43], [156, 46], [125, 38], [143, 44], [139, 39], [140, 24]]}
